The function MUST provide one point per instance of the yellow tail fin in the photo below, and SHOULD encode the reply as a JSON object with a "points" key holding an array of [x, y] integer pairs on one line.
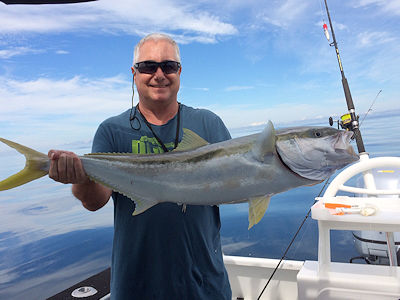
{"points": [[36, 166]]}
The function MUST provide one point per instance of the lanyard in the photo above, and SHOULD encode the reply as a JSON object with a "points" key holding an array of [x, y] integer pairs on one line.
{"points": [[156, 136]]}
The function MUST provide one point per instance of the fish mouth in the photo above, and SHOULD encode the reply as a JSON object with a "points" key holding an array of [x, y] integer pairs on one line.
{"points": [[342, 144], [343, 140]]}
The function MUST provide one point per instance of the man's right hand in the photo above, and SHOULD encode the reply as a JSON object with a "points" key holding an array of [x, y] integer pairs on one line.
{"points": [[66, 167]]}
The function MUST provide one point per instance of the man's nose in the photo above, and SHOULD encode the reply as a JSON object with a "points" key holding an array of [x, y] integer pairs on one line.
{"points": [[159, 73]]}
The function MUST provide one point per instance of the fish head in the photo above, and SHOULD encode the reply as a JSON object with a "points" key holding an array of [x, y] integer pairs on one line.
{"points": [[315, 152]]}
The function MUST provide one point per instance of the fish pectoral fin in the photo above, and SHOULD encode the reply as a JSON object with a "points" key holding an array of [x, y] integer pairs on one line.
{"points": [[190, 140], [265, 142], [257, 208], [141, 205]]}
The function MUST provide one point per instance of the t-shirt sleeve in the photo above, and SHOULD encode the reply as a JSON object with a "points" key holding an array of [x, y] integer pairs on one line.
{"points": [[217, 131]]}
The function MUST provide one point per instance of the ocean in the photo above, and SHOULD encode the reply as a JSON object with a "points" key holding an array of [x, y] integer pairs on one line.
{"points": [[49, 242]]}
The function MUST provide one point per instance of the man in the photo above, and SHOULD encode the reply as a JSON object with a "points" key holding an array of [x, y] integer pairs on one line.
{"points": [[165, 252]]}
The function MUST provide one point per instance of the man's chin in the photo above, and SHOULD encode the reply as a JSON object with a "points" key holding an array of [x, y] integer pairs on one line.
{"points": [[161, 98]]}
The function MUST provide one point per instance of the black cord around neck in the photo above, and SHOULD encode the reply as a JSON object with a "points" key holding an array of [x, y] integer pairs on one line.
{"points": [[152, 131]]}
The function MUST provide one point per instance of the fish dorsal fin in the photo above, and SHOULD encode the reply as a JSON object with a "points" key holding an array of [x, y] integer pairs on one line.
{"points": [[257, 208], [190, 141], [265, 142]]}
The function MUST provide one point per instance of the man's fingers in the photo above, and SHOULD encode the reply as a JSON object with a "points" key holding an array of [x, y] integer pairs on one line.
{"points": [[66, 172], [53, 170], [62, 168], [66, 167], [80, 174], [71, 170]]}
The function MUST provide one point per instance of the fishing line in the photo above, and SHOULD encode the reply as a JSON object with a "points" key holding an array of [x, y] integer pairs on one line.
{"points": [[305, 231], [291, 242], [322, 12], [370, 108]]}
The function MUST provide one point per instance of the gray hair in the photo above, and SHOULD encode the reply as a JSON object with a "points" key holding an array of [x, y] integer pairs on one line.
{"points": [[155, 37]]}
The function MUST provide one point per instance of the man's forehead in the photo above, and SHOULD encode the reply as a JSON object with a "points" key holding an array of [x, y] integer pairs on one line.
{"points": [[157, 48], [151, 44]]}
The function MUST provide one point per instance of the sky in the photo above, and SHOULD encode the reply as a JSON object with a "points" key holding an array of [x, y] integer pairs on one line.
{"points": [[66, 68]]}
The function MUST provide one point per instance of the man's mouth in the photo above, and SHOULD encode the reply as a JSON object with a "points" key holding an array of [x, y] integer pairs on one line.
{"points": [[159, 85]]}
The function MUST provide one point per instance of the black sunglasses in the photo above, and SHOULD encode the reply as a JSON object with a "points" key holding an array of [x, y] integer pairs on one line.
{"points": [[150, 67]]}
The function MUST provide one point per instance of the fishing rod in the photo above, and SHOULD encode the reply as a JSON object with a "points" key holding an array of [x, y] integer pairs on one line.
{"points": [[348, 122], [351, 120]]}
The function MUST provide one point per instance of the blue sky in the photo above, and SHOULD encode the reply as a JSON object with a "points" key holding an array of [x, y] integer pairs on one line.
{"points": [[65, 68]]}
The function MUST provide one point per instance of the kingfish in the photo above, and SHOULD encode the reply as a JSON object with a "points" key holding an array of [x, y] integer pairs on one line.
{"points": [[245, 169]]}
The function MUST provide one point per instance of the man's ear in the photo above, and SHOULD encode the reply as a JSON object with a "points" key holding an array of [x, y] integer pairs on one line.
{"points": [[133, 72]]}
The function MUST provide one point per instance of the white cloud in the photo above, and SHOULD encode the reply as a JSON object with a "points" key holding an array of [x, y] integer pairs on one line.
{"points": [[360, 3], [131, 17], [374, 38], [202, 89], [62, 52], [48, 112], [234, 88], [285, 13], [387, 6], [16, 51], [65, 110], [339, 26]]}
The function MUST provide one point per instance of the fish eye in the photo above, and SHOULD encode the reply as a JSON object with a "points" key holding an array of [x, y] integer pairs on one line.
{"points": [[317, 134]]}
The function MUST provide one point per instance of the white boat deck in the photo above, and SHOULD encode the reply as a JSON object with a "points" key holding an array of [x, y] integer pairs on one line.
{"points": [[249, 275], [302, 280]]}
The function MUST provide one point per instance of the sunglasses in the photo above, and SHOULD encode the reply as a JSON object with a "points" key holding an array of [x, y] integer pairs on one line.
{"points": [[150, 67]]}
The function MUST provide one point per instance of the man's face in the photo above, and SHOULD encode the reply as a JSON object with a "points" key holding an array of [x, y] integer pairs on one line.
{"points": [[157, 87]]}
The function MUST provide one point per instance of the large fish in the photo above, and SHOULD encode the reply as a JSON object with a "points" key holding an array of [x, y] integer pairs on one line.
{"points": [[250, 168]]}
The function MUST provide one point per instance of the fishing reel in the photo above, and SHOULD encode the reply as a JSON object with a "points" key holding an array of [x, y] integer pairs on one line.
{"points": [[345, 122]]}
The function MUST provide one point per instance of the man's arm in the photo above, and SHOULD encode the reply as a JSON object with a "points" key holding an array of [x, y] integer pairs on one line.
{"points": [[66, 167]]}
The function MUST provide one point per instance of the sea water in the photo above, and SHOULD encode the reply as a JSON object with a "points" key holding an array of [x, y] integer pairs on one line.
{"points": [[49, 242]]}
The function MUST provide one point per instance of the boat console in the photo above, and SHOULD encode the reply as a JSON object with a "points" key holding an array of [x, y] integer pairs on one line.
{"points": [[372, 211]]}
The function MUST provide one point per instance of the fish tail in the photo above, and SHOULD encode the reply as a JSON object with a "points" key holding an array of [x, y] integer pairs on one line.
{"points": [[36, 166]]}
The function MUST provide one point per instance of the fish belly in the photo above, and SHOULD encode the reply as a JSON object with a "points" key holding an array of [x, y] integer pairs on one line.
{"points": [[215, 181]]}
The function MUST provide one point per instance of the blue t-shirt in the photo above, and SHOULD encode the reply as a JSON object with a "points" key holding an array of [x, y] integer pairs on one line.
{"points": [[164, 253]]}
